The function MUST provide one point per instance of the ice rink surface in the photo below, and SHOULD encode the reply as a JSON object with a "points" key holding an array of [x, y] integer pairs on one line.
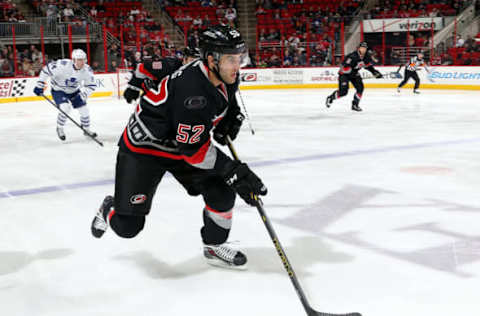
{"points": [[379, 212]]}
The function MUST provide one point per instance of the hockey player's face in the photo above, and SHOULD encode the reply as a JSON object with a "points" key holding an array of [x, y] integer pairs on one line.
{"points": [[229, 65], [79, 63], [188, 60], [362, 50]]}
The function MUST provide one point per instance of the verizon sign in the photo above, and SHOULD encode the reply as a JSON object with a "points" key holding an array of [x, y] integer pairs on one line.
{"points": [[403, 25]]}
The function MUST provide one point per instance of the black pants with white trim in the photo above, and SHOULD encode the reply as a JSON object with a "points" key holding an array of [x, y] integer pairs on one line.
{"points": [[343, 81], [410, 74], [136, 181]]}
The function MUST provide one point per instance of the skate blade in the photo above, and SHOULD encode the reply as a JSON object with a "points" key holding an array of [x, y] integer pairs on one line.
{"points": [[221, 264]]}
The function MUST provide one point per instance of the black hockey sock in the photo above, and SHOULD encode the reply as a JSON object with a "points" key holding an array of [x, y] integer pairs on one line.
{"points": [[126, 226], [216, 226], [356, 98]]}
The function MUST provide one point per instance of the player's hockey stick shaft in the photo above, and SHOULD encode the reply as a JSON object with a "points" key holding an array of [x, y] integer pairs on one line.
{"points": [[281, 253], [74, 122], [246, 113]]}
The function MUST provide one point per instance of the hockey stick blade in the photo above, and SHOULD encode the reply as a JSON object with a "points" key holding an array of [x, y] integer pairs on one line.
{"points": [[313, 312]]}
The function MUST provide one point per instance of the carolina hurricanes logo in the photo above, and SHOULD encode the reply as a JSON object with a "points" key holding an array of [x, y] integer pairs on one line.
{"points": [[249, 77], [138, 199]]}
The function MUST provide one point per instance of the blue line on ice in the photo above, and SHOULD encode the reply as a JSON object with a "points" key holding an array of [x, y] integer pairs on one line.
{"points": [[87, 184]]}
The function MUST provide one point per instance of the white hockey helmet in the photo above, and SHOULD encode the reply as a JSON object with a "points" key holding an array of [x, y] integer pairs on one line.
{"points": [[79, 54]]}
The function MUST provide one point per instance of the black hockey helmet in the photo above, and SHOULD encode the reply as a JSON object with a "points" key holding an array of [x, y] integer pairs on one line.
{"points": [[363, 44], [190, 51], [221, 39]]}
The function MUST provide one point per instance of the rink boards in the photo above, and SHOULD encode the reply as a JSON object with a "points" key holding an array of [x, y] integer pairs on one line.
{"points": [[444, 77]]}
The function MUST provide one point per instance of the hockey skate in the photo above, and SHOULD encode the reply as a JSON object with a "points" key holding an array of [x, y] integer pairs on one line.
{"points": [[224, 256], [355, 107], [416, 91], [88, 132], [329, 101], [398, 90], [100, 221], [61, 133]]}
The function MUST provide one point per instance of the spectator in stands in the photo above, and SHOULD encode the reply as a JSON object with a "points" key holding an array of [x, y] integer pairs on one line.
{"points": [[113, 66], [274, 35], [231, 16], [262, 37], [35, 54], [6, 68], [460, 41], [94, 12], [197, 22], [274, 60], [52, 13], [260, 10], [100, 6], [294, 40], [287, 59], [28, 68], [206, 21], [95, 66], [68, 12], [394, 58], [434, 13], [193, 39]]}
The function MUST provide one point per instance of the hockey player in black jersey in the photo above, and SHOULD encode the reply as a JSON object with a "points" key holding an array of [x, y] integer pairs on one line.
{"points": [[170, 131], [348, 72], [411, 72]]}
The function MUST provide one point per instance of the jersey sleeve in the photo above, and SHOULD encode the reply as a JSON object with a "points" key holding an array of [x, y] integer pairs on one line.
{"points": [[47, 71], [347, 65], [157, 69], [89, 81], [369, 65]]}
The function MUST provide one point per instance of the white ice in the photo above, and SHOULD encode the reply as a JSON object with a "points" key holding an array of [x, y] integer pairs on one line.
{"points": [[379, 212]]}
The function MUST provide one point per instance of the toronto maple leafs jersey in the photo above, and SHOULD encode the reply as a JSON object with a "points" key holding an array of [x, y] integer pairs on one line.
{"points": [[64, 77]]}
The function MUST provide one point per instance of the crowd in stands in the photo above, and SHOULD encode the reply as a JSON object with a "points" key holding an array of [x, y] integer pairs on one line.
{"points": [[29, 61], [58, 10], [198, 15], [9, 12], [463, 52], [386, 9], [300, 32], [126, 18]]}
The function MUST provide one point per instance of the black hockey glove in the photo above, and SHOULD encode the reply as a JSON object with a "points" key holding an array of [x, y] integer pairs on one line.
{"points": [[133, 89], [229, 126], [130, 94], [246, 183]]}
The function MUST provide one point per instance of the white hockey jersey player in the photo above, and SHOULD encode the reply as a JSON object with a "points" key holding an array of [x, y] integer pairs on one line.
{"points": [[72, 82], [64, 77]]}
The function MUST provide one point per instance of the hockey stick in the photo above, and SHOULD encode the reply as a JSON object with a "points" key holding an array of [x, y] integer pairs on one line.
{"points": [[74, 122], [286, 264], [246, 113]]}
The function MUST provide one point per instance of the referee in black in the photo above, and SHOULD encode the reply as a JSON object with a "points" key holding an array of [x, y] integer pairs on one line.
{"points": [[411, 71]]}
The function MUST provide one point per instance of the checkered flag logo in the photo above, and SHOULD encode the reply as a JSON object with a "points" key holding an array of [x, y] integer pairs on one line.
{"points": [[19, 87]]}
